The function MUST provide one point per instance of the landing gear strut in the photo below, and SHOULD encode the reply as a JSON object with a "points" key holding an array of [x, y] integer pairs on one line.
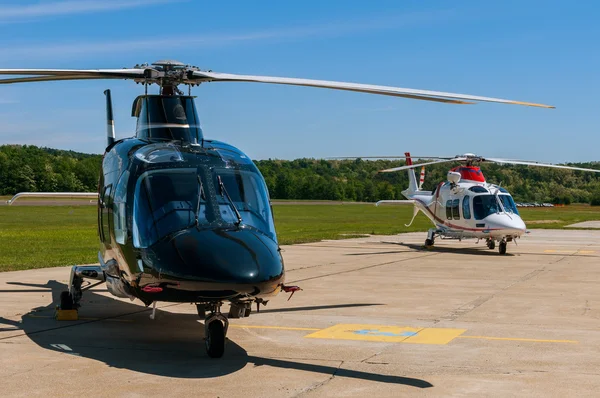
{"points": [[215, 330], [430, 238], [69, 299]]}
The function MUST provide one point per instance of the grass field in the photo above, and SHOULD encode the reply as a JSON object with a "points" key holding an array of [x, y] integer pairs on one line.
{"points": [[49, 236]]}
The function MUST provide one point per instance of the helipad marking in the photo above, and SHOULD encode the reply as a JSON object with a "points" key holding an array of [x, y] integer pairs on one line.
{"points": [[390, 334]]}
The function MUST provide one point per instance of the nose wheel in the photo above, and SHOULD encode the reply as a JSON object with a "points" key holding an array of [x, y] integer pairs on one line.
{"points": [[502, 247], [215, 330]]}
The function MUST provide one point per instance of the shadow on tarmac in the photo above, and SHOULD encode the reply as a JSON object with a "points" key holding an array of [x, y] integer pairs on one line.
{"points": [[481, 251], [121, 335]]}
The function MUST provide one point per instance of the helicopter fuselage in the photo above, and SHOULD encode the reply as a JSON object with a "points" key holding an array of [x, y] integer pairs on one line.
{"points": [[186, 223], [471, 210], [466, 206]]}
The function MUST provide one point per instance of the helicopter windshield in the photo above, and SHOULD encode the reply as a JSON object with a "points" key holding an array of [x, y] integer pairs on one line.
{"points": [[249, 196], [484, 205], [166, 201], [167, 118], [509, 204]]}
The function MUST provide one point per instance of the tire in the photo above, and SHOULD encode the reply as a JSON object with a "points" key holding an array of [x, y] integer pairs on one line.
{"points": [[502, 248], [215, 339], [428, 242], [492, 244], [66, 301]]}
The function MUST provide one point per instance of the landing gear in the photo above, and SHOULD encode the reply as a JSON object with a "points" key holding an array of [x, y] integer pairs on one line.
{"points": [[430, 238], [66, 301], [69, 299], [491, 244], [502, 247], [215, 330], [215, 339]]}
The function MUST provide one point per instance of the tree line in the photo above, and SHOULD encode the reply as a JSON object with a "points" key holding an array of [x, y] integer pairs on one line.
{"points": [[27, 168]]}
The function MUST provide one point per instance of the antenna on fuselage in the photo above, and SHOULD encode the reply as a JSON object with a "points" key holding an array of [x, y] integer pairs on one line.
{"points": [[110, 121]]}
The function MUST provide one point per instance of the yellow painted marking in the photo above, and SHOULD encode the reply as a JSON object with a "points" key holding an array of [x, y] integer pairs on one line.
{"points": [[435, 336], [519, 339], [271, 327], [390, 334]]}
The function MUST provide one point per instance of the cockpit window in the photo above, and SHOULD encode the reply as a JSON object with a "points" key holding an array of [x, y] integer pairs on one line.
{"points": [[249, 196], [509, 204], [168, 118], [170, 200], [484, 205], [166, 202], [478, 189]]}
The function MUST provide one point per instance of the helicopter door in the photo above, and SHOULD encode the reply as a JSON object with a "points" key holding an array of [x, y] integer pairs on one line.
{"points": [[105, 206]]}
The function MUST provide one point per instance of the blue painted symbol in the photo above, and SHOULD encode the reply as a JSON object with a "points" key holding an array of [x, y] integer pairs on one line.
{"points": [[376, 332]]}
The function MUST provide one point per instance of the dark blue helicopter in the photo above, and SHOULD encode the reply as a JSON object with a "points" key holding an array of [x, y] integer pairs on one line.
{"points": [[182, 218]]}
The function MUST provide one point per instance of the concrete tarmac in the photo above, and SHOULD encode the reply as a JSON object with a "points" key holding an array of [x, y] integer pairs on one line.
{"points": [[379, 316]]}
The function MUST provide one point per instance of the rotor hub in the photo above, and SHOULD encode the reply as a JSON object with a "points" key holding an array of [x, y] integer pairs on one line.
{"points": [[168, 74]]}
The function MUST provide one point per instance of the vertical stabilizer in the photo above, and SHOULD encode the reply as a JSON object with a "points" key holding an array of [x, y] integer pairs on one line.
{"points": [[412, 179]]}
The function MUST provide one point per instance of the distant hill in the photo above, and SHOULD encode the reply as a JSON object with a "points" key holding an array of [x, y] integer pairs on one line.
{"points": [[30, 168]]}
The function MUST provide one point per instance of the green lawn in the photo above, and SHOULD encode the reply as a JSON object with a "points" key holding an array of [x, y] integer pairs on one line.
{"points": [[49, 236]]}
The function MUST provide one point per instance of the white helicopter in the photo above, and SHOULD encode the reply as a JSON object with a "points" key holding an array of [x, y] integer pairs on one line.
{"points": [[466, 206]]}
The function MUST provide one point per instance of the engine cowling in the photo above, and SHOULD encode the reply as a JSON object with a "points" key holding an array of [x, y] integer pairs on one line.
{"points": [[454, 177]]}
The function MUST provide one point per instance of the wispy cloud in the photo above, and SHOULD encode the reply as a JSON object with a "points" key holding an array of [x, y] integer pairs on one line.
{"points": [[25, 12], [7, 101], [206, 40]]}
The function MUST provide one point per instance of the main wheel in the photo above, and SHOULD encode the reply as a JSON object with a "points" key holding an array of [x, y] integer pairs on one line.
{"points": [[502, 248], [428, 242], [215, 339], [66, 301], [491, 244]]}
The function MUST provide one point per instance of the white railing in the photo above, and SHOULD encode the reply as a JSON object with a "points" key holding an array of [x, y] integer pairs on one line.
{"points": [[64, 195]]}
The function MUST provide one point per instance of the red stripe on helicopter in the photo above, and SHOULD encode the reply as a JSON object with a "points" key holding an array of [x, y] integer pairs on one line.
{"points": [[408, 159]]}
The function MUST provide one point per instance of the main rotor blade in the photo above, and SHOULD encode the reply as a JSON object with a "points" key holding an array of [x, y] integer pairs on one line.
{"points": [[414, 166], [525, 163], [364, 88], [391, 157], [64, 72], [52, 78], [44, 75]]}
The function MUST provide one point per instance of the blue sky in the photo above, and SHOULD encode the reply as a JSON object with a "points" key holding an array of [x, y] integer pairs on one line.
{"points": [[538, 51]]}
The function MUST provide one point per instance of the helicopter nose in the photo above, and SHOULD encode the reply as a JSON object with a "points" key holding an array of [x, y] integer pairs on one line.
{"points": [[506, 224], [235, 257]]}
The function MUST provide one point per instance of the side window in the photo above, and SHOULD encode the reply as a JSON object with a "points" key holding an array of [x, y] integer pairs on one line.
{"points": [[119, 209], [466, 208], [105, 214], [455, 209], [449, 210]]}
